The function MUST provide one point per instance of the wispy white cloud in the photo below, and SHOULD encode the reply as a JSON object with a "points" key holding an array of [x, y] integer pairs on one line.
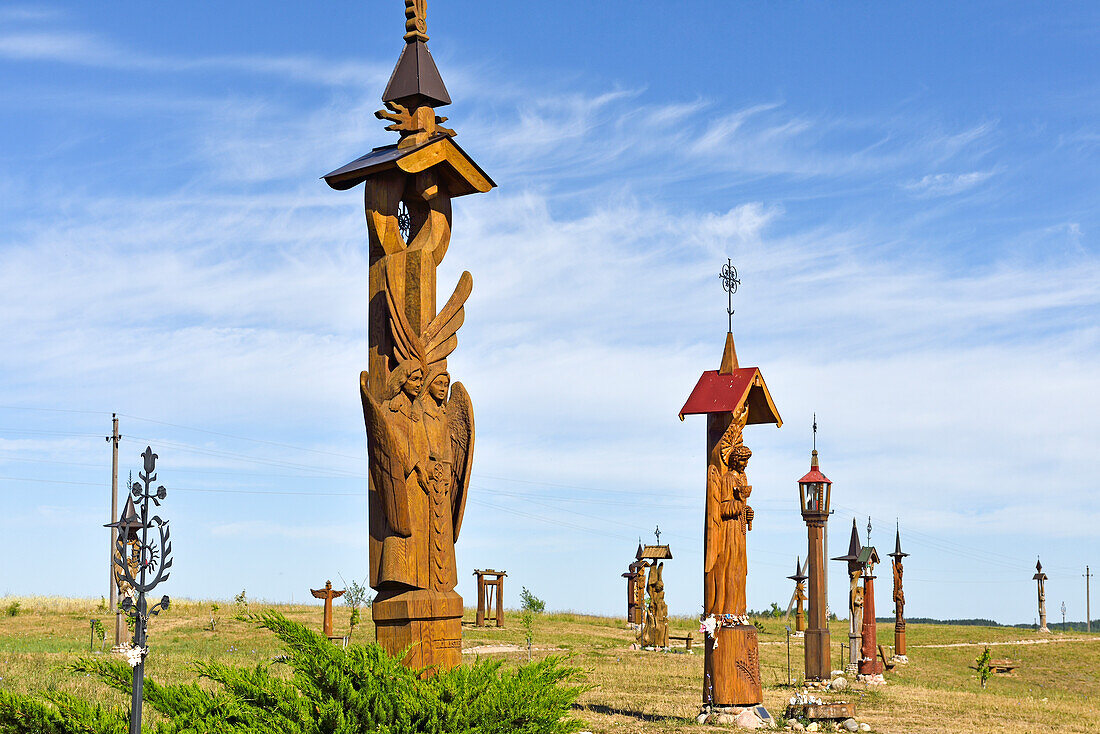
{"points": [[947, 184]]}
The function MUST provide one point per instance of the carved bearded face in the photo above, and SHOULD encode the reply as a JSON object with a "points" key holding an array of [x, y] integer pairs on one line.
{"points": [[438, 388]]}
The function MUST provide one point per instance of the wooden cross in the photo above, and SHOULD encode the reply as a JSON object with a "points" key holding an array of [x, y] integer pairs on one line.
{"points": [[328, 594]]}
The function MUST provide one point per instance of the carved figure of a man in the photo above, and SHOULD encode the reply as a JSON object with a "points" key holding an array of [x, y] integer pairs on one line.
{"points": [[729, 518]]}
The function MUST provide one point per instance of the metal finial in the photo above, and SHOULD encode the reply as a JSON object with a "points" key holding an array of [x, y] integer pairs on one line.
{"points": [[868, 530], [815, 431], [657, 532], [730, 281]]}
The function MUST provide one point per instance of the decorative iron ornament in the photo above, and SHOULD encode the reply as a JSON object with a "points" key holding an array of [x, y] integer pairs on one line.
{"points": [[404, 221], [154, 559], [730, 282]]}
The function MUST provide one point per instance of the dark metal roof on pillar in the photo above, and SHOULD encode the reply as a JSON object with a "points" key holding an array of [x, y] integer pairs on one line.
{"points": [[854, 548], [415, 81], [798, 577], [897, 547], [1039, 575]]}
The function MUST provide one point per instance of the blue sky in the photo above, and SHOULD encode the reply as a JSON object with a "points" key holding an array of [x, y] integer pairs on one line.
{"points": [[909, 193]]}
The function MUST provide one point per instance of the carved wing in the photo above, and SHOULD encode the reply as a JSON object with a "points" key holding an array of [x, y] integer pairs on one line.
{"points": [[460, 415], [388, 462], [440, 336]]}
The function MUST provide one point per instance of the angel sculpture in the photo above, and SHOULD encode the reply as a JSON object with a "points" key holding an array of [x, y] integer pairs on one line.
{"points": [[420, 441]]}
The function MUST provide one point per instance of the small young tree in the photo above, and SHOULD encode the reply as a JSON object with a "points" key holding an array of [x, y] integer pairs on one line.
{"points": [[984, 670], [241, 600], [531, 602]]}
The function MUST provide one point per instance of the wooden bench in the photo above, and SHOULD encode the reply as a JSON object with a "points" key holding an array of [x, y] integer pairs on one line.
{"points": [[686, 638], [1002, 666]]}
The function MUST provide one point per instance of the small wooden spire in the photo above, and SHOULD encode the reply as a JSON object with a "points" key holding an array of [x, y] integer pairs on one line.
{"points": [[416, 20], [729, 356]]}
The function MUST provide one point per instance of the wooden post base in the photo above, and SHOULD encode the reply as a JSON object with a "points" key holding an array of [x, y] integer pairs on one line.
{"points": [[819, 665], [899, 639], [429, 621], [731, 668]]}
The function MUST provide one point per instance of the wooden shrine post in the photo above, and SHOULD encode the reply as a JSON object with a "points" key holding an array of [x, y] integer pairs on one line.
{"points": [[420, 428], [635, 589], [855, 601], [815, 495], [1040, 579], [732, 397], [869, 664], [328, 594], [486, 589], [899, 600], [799, 580]]}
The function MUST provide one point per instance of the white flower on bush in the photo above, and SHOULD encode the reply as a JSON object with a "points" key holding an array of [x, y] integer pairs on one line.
{"points": [[134, 655]]}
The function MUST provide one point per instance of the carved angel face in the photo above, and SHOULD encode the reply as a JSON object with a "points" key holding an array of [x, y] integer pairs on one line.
{"points": [[413, 384], [438, 388]]}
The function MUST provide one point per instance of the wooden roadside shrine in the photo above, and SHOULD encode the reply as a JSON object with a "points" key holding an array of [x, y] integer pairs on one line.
{"points": [[799, 580], [855, 601], [1040, 579], [732, 397], [487, 589], [328, 594], [420, 426], [899, 599], [869, 663], [635, 589], [815, 496]]}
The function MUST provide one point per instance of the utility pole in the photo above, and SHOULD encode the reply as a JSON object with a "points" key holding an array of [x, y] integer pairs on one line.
{"points": [[113, 439], [1088, 609]]}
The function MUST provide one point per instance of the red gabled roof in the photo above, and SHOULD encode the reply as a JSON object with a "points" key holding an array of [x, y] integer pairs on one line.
{"points": [[815, 475], [726, 393]]}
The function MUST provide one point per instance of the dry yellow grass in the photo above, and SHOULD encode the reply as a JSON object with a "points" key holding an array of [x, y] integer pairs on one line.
{"points": [[1055, 688]]}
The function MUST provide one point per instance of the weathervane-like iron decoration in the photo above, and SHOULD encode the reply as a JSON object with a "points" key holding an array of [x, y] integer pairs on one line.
{"points": [[730, 282], [154, 559]]}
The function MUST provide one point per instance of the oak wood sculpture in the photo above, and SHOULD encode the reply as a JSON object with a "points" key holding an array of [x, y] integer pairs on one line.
{"points": [[731, 397], [635, 592], [328, 594], [487, 590], [654, 631], [868, 659], [420, 426], [899, 597]]}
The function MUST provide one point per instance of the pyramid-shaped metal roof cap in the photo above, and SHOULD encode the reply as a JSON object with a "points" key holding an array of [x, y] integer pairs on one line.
{"points": [[798, 577], [897, 546], [415, 81], [854, 546]]}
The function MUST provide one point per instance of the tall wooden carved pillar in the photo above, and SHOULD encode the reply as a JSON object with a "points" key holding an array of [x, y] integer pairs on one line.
{"points": [[1040, 580], [799, 580], [815, 495], [855, 601], [487, 591], [635, 589], [420, 429], [731, 397], [899, 600], [869, 664]]}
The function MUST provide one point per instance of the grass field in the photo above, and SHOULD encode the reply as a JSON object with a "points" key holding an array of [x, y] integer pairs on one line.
{"points": [[1055, 688]]}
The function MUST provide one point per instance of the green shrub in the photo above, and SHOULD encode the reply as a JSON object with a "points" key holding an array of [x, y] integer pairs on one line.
{"points": [[333, 690], [13, 609]]}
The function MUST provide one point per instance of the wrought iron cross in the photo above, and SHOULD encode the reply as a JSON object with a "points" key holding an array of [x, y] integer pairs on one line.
{"points": [[868, 530], [657, 532], [730, 282], [815, 431]]}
